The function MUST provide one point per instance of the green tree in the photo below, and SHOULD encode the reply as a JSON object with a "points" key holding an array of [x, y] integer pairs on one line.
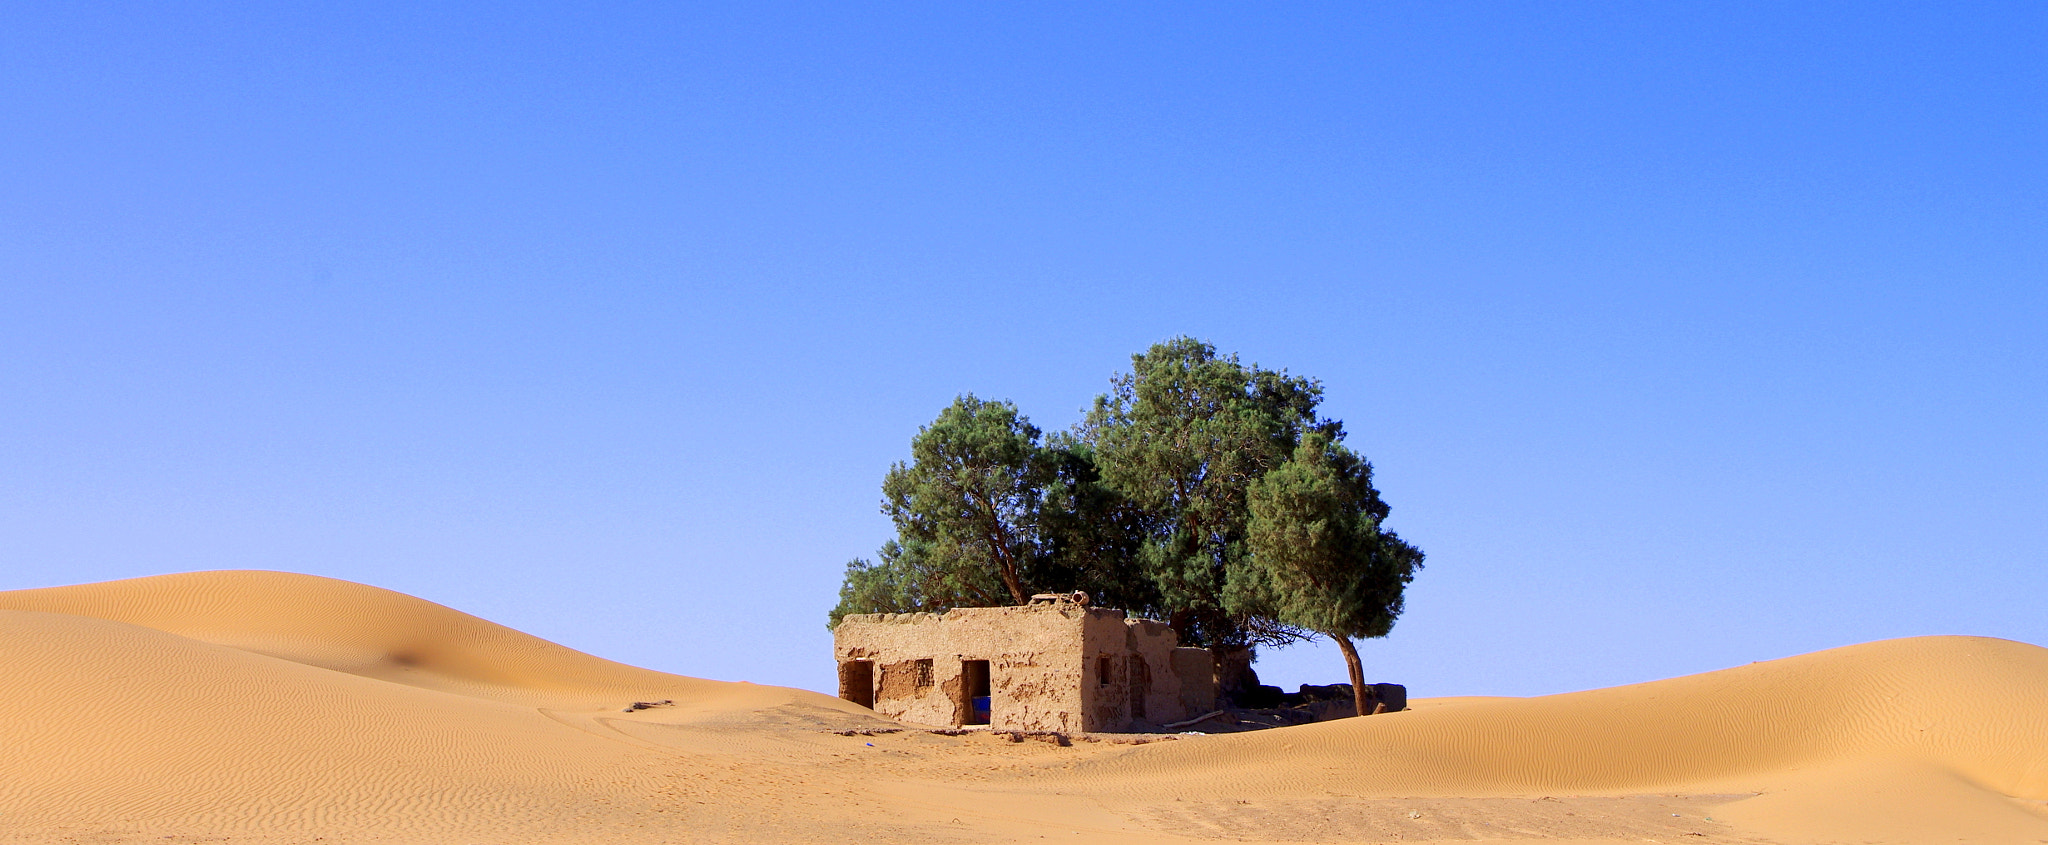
{"points": [[1198, 490], [903, 579], [972, 496], [1182, 437], [1319, 558], [987, 513], [1092, 533]]}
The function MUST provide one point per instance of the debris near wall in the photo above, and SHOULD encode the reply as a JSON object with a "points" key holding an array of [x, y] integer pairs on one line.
{"points": [[1266, 706], [1392, 698], [1058, 738]]}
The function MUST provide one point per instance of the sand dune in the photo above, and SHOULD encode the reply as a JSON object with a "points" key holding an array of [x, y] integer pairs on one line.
{"points": [[270, 707], [1964, 713], [374, 633]]}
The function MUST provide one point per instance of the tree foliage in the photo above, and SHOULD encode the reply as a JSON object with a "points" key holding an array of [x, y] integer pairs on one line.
{"points": [[1093, 533], [1319, 559], [902, 579], [1198, 489], [989, 512], [1183, 436], [973, 493]]}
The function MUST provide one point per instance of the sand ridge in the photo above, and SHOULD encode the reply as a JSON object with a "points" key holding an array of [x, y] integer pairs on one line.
{"points": [[377, 633], [1819, 735], [274, 707], [1973, 705]]}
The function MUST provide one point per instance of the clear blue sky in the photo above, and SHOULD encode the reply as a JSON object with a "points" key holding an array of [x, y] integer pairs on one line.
{"points": [[1682, 334]]}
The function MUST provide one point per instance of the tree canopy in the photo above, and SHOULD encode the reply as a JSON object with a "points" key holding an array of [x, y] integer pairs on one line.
{"points": [[989, 512], [972, 494], [1183, 436], [1318, 557], [1198, 489]]}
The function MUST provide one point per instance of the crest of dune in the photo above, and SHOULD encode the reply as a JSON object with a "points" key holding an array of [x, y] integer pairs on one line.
{"points": [[1972, 705], [360, 630]]}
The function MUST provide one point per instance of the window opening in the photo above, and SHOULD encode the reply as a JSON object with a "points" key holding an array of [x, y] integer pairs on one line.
{"points": [[1103, 667]]}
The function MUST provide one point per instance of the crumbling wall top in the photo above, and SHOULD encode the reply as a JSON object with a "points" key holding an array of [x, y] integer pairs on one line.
{"points": [[1061, 603]]}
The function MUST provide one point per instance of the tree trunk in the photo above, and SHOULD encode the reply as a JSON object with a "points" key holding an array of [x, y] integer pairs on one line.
{"points": [[1006, 565], [1013, 583], [1357, 673]]}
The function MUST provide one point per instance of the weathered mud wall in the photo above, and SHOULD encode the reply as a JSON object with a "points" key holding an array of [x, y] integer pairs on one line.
{"points": [[1196, 670], [1055, 667], [1134, 681], [1033, 656]]}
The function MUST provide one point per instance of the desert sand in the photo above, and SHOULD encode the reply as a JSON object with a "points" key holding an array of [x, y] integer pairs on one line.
{"points": [[268, 707]]}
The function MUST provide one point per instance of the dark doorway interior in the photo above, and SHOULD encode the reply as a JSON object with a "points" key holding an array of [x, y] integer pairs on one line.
{"points": [[974, 696], [1140, 684], [857, 682]]}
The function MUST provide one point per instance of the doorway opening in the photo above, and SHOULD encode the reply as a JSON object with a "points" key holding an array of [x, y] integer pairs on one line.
{"points": [[974, 692], [857, 682], [1140, 685]]}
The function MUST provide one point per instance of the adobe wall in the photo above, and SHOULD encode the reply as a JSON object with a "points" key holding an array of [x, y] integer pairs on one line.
{"points": [[1047, 667], [1196, 669], [1033, 654], [1151, 682]]}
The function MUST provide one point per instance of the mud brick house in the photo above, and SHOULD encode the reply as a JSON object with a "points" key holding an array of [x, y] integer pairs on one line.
{"points": [[1052, 665]]}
